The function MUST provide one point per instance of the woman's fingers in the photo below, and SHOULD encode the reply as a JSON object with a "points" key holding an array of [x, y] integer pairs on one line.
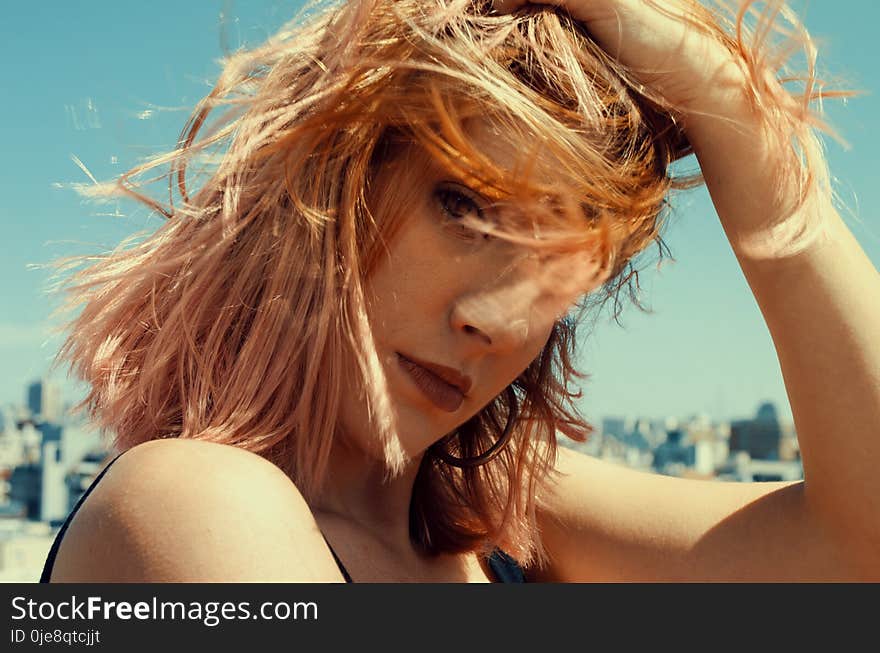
{"points": [[508, 6], [657, 41]]}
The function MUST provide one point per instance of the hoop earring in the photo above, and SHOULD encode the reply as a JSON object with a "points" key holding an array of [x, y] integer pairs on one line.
{"points": [[491, 452]]}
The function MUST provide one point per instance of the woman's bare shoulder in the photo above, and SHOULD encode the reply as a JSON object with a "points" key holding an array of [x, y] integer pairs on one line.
{"points": [[192, 511]]}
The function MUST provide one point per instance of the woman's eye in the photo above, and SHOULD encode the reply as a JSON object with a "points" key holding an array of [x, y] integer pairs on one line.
{"points": [[456, 205]]}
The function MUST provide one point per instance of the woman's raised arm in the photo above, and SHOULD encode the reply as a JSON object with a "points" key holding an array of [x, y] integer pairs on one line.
{"points": [[816, 288]]}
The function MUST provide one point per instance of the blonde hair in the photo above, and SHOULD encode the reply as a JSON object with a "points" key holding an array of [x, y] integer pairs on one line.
{"points": [[233, 322]]}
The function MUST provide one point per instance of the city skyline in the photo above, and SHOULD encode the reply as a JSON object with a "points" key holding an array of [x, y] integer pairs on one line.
{"points": [[44, 391]]}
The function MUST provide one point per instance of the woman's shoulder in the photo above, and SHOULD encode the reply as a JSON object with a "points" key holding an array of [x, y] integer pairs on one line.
{"points": [[176, 510]]}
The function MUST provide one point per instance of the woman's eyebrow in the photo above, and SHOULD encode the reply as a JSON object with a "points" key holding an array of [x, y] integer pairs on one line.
{"points": [[491, 194], [488, 204], [487, 191]]}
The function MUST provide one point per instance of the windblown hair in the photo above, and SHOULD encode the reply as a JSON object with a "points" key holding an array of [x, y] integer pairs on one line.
{"points": [[233, 322]]}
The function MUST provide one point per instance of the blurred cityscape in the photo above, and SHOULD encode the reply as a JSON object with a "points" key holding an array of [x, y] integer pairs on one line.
{"points": [[47, 460]]}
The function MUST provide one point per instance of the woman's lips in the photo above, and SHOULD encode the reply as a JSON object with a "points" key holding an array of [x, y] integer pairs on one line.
{"points": [[443, 395]]}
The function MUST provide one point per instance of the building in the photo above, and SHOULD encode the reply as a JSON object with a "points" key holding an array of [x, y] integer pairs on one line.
{"points": [[44, 401], [760, 437], [39, 487], [616, 427], [24, 490], [24, 546], [638, 433], [741, 467], [674, 455]]}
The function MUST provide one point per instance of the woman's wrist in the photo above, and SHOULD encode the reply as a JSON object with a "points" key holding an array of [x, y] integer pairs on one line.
{"points": [[763, 166]]}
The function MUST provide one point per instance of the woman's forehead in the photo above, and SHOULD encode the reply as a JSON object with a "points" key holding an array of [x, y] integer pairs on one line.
{"points": [[513, 151], [494, 160]]}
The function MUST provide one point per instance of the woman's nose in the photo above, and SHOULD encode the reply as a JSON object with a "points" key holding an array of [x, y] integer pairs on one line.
{"points": [[524, 301], [502, 316]]}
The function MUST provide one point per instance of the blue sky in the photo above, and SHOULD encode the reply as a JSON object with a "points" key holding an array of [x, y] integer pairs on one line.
{"points": [[110, 82]]}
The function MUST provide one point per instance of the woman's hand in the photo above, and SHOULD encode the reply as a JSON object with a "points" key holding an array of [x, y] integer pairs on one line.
{"points": [[659, 45], [705, 82]]}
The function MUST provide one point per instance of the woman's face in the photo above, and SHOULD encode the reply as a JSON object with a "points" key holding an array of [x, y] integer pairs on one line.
{"points": [[478, 310]]}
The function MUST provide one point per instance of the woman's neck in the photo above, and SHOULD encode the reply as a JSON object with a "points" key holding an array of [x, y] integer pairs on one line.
{"points": [[358, 491]]}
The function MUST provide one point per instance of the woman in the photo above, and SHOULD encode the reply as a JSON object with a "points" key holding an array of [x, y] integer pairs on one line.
{"points": [[346, 354]]}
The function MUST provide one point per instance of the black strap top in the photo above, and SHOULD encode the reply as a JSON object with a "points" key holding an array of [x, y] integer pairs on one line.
{"points": [[56, 543], [505, 568]]}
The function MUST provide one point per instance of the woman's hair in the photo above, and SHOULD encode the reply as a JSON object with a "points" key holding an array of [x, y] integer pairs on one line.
{"points": [[235, 320]]}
